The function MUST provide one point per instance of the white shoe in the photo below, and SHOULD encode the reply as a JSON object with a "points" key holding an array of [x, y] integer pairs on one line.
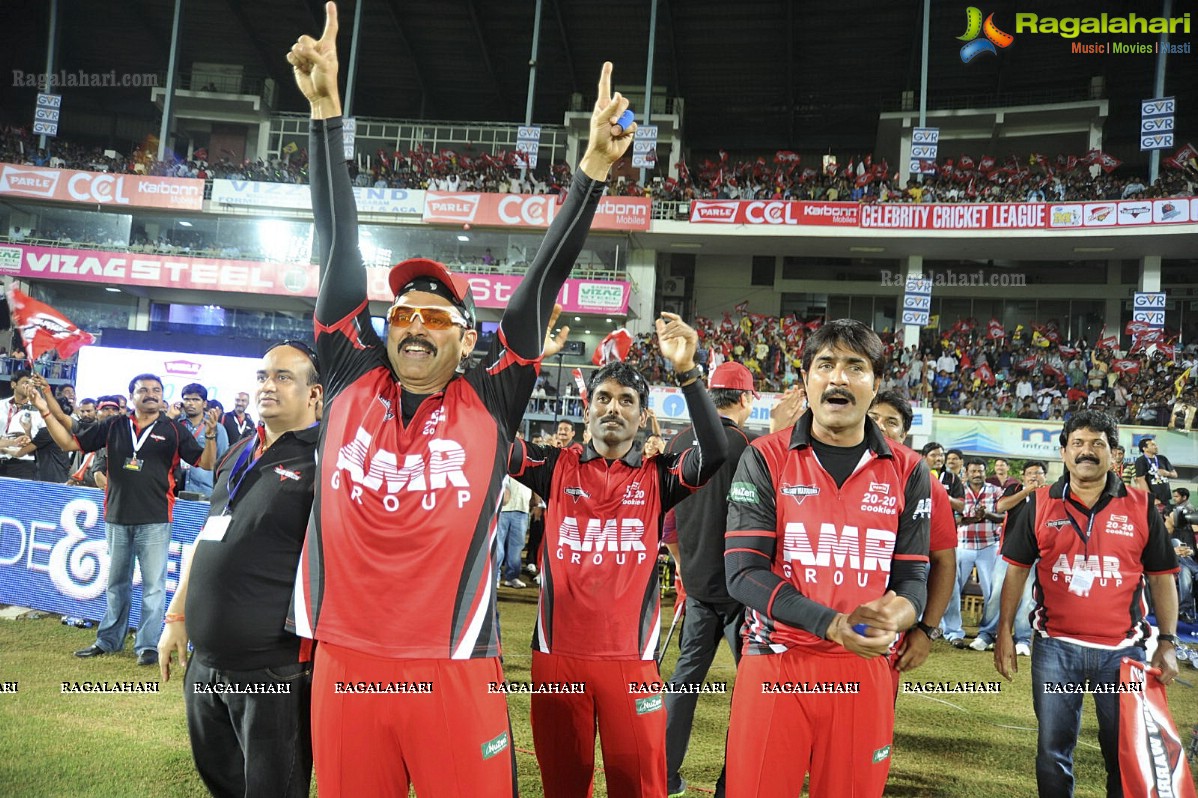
{"points": [[1023, 650], [537, 579], [513, 583], [530, 569], [980, 644]]}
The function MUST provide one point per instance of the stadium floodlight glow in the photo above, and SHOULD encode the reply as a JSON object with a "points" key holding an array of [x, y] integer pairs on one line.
{"points": [[867, 249], [113, 290], [1093, 249], [686, 246], [463, 237], [183, 223]]}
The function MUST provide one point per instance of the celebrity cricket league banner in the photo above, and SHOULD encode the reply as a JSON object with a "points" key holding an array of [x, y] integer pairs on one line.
{"points": [[961, 216], [530, 210], [259, 194], [100, 188], [259, 277], [53, 555]]}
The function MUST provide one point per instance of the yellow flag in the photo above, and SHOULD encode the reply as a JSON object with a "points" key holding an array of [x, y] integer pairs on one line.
{"points": [[1180, 383], [290, 147], [933, 322], [1039, 340]]}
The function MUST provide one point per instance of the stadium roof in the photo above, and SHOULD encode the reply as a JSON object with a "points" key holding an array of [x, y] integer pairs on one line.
{"points": [[805, 76]]}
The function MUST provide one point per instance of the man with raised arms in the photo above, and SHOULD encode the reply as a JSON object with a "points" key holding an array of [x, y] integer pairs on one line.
{"points": [[397, 579]]}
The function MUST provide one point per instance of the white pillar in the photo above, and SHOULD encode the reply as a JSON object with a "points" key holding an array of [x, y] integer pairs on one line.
{"points": [[912, 268], [1150, 273], [642, 273]]}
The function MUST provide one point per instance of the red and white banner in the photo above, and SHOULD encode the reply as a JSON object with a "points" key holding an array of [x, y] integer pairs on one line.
{"points": [[530, 210], [43, 328], [257, 277], [101, 188], [784, 212], [1152, 755]]}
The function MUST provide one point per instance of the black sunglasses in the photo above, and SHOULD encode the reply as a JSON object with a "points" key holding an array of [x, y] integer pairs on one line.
{"points": [[303, 347]]}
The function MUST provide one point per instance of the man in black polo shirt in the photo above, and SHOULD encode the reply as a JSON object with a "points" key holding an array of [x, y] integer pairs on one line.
{"points": [[144, 448], [711, 614], [236, 590]]}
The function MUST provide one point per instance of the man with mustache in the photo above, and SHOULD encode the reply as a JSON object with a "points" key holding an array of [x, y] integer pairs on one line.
{"points": [[977, 542], [827, 547], [143, 449], [599, 612], [1099, 544], [397, 578]]}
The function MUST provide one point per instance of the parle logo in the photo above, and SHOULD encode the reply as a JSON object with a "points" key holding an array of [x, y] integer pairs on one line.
{"points": [[974, 27]]}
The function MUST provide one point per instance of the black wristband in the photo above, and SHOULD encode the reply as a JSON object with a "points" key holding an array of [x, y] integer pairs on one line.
{"points": [[1167, 639], [688, 376]]}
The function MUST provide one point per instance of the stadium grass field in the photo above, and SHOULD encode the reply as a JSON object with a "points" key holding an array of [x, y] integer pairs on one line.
{"points": [[120, 746]]}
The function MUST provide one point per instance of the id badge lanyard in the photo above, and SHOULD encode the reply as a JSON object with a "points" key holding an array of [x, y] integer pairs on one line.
{"points": [[241, 469], [1083, 588], [137, 441]]}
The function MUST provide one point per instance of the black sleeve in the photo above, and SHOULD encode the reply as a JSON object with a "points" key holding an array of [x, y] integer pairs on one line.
{"points": [[691, 468], [1141, 466], [749, 547], [532, 466], [522, 328], [1158, 556], [345, 340], [95, 437], [957, 491], [1019, 543], [43, 438], [908, 574]]}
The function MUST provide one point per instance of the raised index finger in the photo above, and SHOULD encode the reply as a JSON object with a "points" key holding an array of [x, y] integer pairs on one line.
{"points": [[604, 83], [330, 23]]}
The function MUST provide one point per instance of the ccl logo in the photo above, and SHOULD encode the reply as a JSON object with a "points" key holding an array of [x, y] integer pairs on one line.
{"points": [[994, 38]]}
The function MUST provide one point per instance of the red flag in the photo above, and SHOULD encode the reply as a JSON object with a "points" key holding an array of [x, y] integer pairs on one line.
{"points": [[815, 324], [741, 307], [1183, 156], [1152, 757], [985, 374], [1051, 370], [786, 156], [581, 383], [986, 165], [43, 328], [200, 155], [613, 347], [1067, 351], [1027, 363], [965, 162], [1137, 328], [1125, 366], [994, 330]]}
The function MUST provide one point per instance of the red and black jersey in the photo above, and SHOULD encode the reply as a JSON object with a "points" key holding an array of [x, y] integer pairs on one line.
{"points": [[799, 549], [600, 596], [145, 495], [1119, 541], [399, 556]]}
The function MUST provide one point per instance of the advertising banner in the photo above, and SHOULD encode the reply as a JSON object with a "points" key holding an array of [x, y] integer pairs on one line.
{"points": [[530, 210], [100, 188], [259, 194], [258, 277], [781, 212], [53, 556]]}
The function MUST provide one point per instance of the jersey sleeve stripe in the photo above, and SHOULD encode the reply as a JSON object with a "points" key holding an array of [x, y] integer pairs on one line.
{"points": [[344, 325], [769, 605], [510, 354], [746, 551], [1162, 573], [912, 557], [750, 533]]}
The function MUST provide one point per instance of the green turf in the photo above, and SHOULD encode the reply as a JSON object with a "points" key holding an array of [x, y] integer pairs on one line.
{"points": [[53, 744]]}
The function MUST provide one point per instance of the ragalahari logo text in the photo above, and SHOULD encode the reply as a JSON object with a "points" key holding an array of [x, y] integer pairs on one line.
{"points": [[974, 27]]}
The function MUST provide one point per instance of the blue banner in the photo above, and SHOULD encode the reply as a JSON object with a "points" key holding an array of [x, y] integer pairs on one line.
{"points": [[53, 554]]}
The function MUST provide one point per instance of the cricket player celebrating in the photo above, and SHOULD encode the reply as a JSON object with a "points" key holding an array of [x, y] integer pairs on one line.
{"points": [[397, 578], [827, 546], [599, 613]]}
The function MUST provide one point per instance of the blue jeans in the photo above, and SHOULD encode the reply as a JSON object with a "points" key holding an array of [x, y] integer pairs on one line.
{"points": [[513, 525], [1060, 714], [1185, 582], [966, 559], [149, 543], [1023, 627]]}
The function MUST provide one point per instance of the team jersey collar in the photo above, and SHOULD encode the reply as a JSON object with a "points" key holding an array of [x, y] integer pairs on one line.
{"points": [[1114, 489], [632, 458], [800, 436]]}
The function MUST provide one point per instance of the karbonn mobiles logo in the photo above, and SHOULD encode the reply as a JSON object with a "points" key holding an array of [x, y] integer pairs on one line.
{"points": [[440, 468], [994, 38]]}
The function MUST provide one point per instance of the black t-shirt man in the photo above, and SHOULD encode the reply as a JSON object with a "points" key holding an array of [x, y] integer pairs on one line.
{"points": [[140, 488]]}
